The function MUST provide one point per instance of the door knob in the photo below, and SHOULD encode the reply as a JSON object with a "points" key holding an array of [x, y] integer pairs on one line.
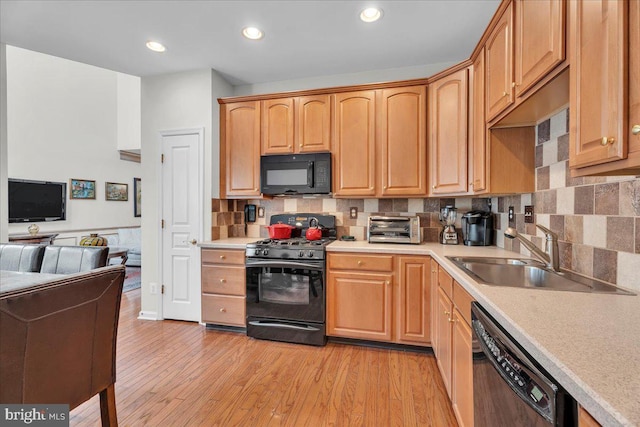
{"points": [[193, 241], [635, 130]]}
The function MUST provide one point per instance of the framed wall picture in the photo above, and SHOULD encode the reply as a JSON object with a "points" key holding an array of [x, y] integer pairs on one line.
{"points": [[82, 189], [137, 197], [116, 191]]}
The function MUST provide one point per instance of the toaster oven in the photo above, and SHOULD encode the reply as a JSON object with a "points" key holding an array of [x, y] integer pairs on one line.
{"points": [[394, 229]]}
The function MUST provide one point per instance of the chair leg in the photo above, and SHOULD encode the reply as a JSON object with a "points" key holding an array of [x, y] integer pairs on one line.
{"points": [[108, 407]]}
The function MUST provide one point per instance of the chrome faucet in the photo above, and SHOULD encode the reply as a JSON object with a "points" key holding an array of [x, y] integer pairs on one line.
{"points": [[550, 256]]}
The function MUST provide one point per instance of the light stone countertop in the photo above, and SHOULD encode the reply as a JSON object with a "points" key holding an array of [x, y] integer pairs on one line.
{"points": [[590, 343], [230, 243]]}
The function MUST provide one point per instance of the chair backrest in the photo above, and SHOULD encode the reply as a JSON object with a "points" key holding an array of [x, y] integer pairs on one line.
{"points": [[17, 257], [58, 340], [73, 259]]}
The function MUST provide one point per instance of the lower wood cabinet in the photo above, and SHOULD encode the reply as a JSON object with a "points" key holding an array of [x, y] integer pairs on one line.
{"points": [[585, 419], [452, 345], [223, 287], [379, 297]]}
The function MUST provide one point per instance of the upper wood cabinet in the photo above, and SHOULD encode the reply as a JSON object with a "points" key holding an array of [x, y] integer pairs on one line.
{"points": [[296, 125], [478, 157], [277, 126], [240, 152], [499, 65], [448, 124], [354, 156], [539, 40], [605, 87], [313, 123], [402, 127]]}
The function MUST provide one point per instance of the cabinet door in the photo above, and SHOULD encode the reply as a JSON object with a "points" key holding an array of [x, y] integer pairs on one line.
{"points": [[313, 124], [478, 129], [402, 125], [241, 171], [354, 144], [448, 134], [434, 305], [539, 40], [499, 57], [598, 90], [634, 78], [414, 300], [443, 351], [277, 126], [359, 305], [462, 370]]}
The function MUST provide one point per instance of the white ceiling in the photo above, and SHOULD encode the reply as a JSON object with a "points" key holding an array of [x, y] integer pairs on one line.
{"points": [[302, 38]]}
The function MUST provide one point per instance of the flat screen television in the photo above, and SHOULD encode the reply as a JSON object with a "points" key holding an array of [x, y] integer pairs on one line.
{"points": [[36, 201]]}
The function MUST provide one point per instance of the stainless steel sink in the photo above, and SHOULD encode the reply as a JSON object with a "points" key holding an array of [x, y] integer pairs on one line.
{"points": [[531, 274]]}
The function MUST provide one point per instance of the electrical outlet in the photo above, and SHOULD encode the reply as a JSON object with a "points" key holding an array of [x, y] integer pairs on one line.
{"points": [[153, 288], [260, 211], [528, 214], [353, 212], [512, 217]]}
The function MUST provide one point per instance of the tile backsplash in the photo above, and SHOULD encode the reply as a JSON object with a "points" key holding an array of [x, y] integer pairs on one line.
{"points": [[597, 218]]}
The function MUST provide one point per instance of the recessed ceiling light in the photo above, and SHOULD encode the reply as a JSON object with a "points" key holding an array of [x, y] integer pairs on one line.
{"points": [[371, 14], [252, 33], [156, 46]]}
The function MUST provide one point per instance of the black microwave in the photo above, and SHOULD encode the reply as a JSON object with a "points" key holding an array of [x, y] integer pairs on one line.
{"points": [[296, 174]]}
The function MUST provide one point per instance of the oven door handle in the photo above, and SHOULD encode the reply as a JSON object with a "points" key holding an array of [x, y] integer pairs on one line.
{"points": [[282, 325], [281, 264]]}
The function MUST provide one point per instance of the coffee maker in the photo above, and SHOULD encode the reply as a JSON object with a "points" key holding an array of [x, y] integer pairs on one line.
{"points": [[477, 228], [448, 235]]}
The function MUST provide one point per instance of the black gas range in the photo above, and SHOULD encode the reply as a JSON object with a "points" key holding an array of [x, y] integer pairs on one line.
{"points": [[286, 283]]}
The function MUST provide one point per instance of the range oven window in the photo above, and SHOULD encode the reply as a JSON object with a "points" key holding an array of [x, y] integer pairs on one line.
{"points": [[288, 285], [291, 290]]}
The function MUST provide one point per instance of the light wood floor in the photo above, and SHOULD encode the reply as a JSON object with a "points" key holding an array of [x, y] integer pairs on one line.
{"points": [[180, 374]]}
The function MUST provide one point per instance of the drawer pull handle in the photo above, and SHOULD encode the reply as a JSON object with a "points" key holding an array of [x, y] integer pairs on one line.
{"points": [[387, 282], [635, 130], [452, 320], [505, 93], [606, 141], [446, 313], [223, 280], [223, 257], [359, 262], [223, 310]]}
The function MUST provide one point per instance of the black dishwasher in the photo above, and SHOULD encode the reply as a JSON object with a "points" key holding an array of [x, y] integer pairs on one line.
{"points": [[509, 387]]}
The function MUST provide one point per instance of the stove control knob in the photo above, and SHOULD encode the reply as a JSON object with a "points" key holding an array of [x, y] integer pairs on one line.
{"points": [[310, 254], [265, 251], [301, 254]]}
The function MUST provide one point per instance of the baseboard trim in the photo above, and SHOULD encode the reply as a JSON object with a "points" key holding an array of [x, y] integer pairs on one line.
{"points": [[148, 315]]}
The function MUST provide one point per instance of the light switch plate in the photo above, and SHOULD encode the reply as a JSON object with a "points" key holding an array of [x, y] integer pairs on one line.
{"points": [[512, 217], [528, 214]]}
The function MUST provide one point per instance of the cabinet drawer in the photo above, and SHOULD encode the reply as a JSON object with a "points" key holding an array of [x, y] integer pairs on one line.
{"points": [[348, 261], [223, 310], [462, 300], [445, 282], [217, 279], [223, 256]]}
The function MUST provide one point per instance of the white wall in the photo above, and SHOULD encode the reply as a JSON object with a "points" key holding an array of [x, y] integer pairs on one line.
{"points": [[374, 76], [4, 213], [171, 102], [62, 124], [128, 112]]}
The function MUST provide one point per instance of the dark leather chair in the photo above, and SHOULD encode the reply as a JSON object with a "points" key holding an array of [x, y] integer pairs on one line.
{"points": [[17, 257], [58, 341], [73, 259]]}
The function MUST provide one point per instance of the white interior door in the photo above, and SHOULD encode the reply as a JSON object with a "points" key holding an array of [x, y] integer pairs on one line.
{"points": [[182, 216]]}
